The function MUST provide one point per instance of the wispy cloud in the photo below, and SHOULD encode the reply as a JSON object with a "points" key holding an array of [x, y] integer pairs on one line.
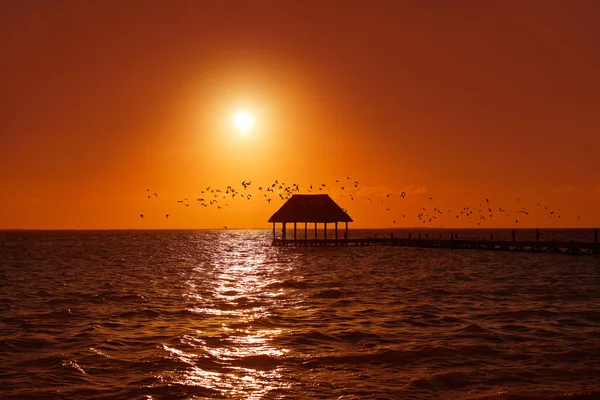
{"points": [[416, 189], [562, 189]]}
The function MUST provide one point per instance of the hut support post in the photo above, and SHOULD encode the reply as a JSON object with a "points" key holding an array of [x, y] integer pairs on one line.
{"points": [[305, 235], [294, 231], [336, 235], [325, 230], [273, 230], [347, 230], [316, 233], [283, 229]]}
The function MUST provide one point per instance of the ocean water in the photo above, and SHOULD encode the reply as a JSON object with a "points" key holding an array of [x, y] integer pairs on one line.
{"points": [[223, 314]]}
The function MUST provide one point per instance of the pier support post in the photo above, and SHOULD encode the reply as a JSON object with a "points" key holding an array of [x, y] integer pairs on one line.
{"points": [[537, 235], [273, 230], [409, 235], [596, 235], [513, 235], [283, 229], [316, 232], [294, 230], [346, 230], [305, 235], [325, 230], [336, 235]]}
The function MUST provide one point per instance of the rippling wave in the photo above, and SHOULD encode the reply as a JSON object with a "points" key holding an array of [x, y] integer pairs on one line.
{"points": [[207, 314]]}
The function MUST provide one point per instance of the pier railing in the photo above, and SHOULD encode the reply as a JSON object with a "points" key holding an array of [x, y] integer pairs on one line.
{"points": [[424, 240]]}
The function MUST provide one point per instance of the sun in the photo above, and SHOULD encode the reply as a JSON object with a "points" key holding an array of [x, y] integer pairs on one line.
{"points": [[243, 121]]}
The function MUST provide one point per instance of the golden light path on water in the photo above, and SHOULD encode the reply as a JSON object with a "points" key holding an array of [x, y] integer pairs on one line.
{"points": [[229, 353]]}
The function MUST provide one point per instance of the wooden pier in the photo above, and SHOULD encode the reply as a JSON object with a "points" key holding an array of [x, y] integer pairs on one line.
{"points": [[574, 248], [321, 209]]}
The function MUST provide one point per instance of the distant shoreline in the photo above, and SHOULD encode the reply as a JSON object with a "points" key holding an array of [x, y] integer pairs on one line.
{"points": [[420, 228]]}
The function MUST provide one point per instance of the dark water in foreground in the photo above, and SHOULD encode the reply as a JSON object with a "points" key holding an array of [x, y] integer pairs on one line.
{"points": [[174, 315]]}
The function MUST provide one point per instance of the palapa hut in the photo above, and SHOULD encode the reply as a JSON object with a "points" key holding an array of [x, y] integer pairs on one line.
{"points": [[313, 208]]}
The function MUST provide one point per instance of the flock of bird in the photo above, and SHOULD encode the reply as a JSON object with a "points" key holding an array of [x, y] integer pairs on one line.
{"points": [[429, 215]]}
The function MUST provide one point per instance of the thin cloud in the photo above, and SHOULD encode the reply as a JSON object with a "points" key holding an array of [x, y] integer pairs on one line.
{"points": [[560, 189], [416, 189]]}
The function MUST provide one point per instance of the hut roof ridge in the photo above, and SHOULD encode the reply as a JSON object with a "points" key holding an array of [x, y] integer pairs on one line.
{"points": [[310, 208]]}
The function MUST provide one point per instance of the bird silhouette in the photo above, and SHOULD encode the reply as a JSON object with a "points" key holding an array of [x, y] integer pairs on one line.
{"points": [[167, 216], [141, 215]]}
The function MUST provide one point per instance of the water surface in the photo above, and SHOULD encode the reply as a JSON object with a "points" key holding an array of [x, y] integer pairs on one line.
{"points": [[223, 314]]}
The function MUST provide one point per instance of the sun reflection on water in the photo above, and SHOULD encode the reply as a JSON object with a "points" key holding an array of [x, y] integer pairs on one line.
{"points": [[228, 353]]}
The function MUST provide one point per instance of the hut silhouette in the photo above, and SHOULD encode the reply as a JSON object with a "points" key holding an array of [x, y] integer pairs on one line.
{"points": [[310, 208]]}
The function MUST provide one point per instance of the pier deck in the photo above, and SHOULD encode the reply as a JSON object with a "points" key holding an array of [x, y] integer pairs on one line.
{"points": [[498, 245]]}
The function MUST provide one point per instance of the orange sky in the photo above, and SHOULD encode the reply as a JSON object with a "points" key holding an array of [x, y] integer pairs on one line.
{"points": [[455, 100]]}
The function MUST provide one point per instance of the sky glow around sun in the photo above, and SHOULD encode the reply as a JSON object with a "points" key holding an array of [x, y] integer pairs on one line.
{"points": [[243, 121]]}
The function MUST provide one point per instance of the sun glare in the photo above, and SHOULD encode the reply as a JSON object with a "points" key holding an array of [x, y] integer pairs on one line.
{"points": [[243, 121]]}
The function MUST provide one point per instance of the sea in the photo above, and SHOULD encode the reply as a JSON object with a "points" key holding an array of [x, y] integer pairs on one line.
{"points": [[223, 314]]}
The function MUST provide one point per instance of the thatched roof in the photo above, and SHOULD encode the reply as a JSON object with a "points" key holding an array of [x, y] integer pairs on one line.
{"points": [[310, 208]]}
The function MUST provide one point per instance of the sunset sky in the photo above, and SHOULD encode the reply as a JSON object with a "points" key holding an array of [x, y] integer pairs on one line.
{"points": [[454, 100]]}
